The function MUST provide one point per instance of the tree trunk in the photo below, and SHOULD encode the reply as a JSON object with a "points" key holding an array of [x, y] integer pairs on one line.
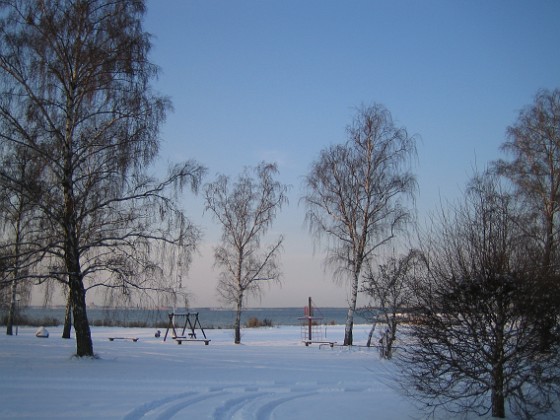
{"points": [[84, 344], [498, 400], [549, 227], [389, 346], [77, 292], [371, 331], [546, 316], [391, 336], [240, 290], [67, 330], [12, 311], [237, 323], [13, 294], [348, 339]]}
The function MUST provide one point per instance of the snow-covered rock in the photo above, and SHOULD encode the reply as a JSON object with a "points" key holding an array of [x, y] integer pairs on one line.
{"points": [[42, 332]]}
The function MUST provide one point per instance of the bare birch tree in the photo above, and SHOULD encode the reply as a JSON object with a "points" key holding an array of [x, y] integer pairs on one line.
{"points": [[357, 194], [76, 94], [534, 169], [246, 211]]}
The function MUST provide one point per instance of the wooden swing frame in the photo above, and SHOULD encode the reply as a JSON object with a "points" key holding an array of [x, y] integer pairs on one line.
{"points": [[192, 325]]}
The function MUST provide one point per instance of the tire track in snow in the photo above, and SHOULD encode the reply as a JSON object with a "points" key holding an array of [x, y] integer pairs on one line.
{"points": [[146, 408], [232, 406], [166, 408], [266, 411], [170, 412], [236, 401]]}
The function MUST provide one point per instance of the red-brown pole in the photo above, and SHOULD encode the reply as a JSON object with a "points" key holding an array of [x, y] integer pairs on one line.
{"points": [[309, 319]]}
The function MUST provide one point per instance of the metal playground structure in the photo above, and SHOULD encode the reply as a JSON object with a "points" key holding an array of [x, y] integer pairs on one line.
{"points": [[313, 330]]}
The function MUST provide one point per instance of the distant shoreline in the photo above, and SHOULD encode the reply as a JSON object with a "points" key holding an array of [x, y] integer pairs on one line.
{"points": [[209, 318]]}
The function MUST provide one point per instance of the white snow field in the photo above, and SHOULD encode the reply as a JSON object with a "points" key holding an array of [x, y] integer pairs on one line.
{"points": [[272, 375]]}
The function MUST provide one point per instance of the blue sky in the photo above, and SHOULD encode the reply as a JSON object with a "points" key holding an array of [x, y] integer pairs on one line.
{"points": [[280, 81]]}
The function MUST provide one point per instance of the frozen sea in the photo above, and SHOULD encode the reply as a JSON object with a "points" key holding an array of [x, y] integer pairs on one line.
{"points": [[209, 317]]}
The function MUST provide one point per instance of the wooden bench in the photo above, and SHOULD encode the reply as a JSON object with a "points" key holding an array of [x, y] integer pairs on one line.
{"points": [[179, 340], [135, 339], [308, 342]]}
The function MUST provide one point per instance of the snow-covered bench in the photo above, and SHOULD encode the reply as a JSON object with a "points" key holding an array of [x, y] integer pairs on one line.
{"points": [[308, 342], [179, 340], [135, 339]]}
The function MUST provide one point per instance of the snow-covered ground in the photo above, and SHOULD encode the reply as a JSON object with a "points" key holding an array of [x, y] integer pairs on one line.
{"points": [[272, 375]]}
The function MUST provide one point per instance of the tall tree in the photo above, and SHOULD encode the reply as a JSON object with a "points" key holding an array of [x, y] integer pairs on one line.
{"points": [[76, 94], [246, 211], [356, 195], [472, 347], [534, 169], [534, 146]]}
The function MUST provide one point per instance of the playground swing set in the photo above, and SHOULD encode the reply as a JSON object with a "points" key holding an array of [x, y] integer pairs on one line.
{"points": [[191, 322]]}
